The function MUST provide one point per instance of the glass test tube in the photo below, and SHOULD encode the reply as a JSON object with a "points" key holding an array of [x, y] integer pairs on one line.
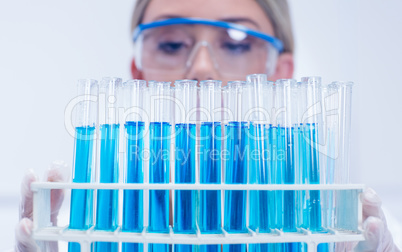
{"points": [[312, 91], [107, 200], [286, 123], [310, 130], [345, 109], [184, 218], [236, 163], [329, 98], [81, 207], [346, 214], [210, 160], [277, 161], [259, 201], [134, 103], [257, 168], [287, 140], [274, 202], [159, 144]]}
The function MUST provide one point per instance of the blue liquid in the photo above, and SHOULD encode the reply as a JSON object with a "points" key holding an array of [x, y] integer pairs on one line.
{"points": [[210, 248], [312, 211], [256, 170], [107, 200], [81, 207], [184, 208], [185, 248], [304, 162], [234, 247], [289, 178], [159, 247], [275, 216], [280, 172], [262, 203], [158, 218], [268, 208], [300, 195], [312, 166], [132, 246], [133, 199], [236, 173], [159, 173], [210, 173], [288, 247]]}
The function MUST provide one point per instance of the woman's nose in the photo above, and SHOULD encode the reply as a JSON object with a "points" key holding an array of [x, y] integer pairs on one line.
{"points": [[201, 64]]}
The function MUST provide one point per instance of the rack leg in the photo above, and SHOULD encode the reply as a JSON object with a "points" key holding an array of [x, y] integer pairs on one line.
{"points": [[312, 247], [85, 246]]}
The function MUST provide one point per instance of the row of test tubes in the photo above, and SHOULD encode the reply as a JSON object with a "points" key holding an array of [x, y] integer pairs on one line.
{"points": [[247, 132]]}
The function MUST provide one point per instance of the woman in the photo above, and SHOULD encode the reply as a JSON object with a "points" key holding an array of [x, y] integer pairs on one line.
{"points": [[201, 39]]}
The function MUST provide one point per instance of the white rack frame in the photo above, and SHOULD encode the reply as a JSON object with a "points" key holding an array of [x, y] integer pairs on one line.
{"points": [[43, 231]]}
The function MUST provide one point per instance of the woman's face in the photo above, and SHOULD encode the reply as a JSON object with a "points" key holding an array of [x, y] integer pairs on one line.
{"points": [[202, 67]]}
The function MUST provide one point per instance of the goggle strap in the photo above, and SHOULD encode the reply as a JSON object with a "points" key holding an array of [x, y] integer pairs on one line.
{"points": [[174, 21]]}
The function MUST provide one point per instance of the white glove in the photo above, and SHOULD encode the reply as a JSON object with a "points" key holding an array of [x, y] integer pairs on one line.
{"points": [[378, 237], [23, 231]]}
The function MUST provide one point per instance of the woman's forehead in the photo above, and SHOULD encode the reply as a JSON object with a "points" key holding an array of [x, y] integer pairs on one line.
{"points": [[245, 12]]}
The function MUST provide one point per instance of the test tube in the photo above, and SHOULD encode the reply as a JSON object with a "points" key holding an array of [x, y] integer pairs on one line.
{"points": [[236, 164], [286, 125], [274, 205], [258, 115], [277, 161], [184, 219], [134, 99], [346, 214], [256, 83], [330, 99], [159, 144], [287, 137], [81, 207], [345, 111], [210, 160], [107, 200], [311, 124], [303, 219]]}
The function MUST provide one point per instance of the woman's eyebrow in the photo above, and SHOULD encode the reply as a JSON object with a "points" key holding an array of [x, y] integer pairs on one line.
{"points": [[241, 20], [229, 20], [163, 17]]}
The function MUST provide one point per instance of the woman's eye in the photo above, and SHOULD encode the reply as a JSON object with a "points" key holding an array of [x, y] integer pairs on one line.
{"points": [[236, 48], [171, 47]]}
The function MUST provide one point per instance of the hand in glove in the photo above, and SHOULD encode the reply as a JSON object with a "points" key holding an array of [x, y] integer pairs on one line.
{"points": [[23, 231], [378, 237]]}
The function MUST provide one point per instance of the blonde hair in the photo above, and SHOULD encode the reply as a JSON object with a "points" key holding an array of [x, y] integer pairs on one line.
{"points": [[276, 10]]}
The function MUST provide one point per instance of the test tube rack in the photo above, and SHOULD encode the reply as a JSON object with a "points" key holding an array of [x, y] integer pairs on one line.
{"points": [[43, 230]]}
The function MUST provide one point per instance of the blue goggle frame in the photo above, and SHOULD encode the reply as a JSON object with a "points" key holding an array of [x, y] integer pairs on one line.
{"points": [[275, 42]]}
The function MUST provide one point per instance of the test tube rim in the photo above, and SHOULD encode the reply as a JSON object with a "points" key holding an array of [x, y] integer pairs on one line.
{"points": [[236, 84], [135, 82], [286, 82], [186, 83], [210, 83], [85, 82], [256, 75], [106, 80], [311, 80], [341, 83], [153, 83]]}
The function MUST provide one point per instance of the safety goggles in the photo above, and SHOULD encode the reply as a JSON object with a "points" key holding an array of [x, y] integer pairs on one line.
{"points": [[170, 47]]}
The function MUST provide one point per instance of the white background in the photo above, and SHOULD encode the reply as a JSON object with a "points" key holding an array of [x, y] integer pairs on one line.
{"points": [[45, 46]]}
